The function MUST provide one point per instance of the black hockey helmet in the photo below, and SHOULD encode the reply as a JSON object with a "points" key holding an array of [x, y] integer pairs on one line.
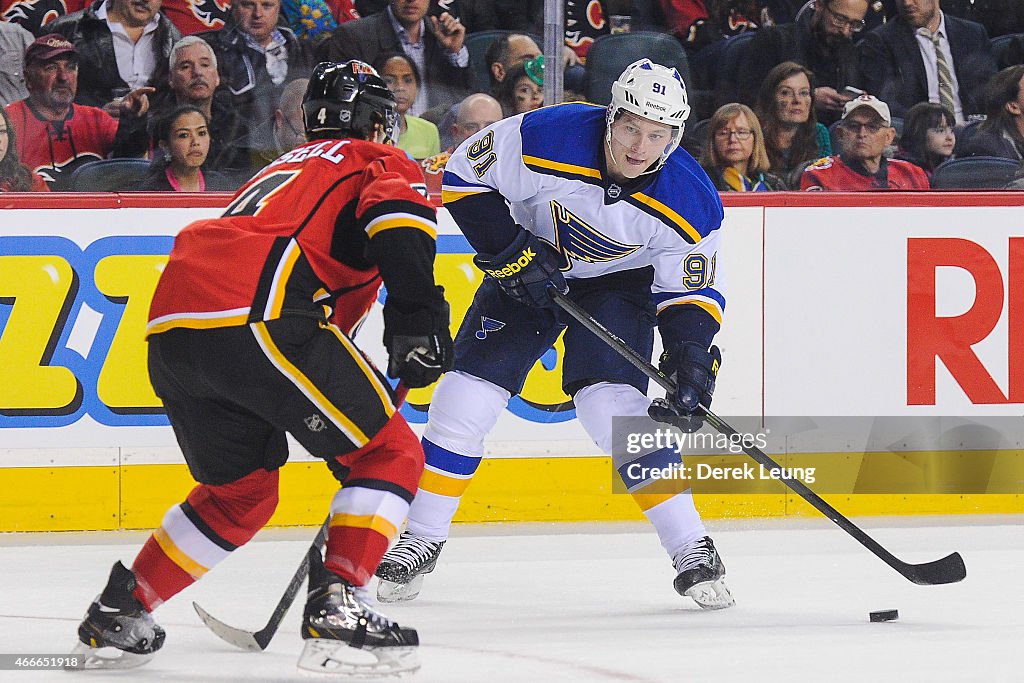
{"points": [[348, 100]]}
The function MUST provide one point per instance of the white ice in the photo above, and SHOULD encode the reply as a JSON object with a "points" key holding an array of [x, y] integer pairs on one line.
{"points": [[583, 602]]}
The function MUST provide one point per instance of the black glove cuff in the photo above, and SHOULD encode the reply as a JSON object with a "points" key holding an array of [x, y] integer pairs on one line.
{"points": [[415, 319]]}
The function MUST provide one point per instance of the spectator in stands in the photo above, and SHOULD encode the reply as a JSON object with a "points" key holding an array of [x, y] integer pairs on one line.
{"points": [[929, 136], [472, 115], [314, 20], [822, 41], [416, 136], [879, 11], [184, 139], [506, 52], [523, 88], [194, 79], [734, 156], [256, 57], [698, 24], [924, 55], [867, 130], [14, 40], [285, 131], [1001, 134], [792, 133], [123, 47], [55, 136], [435, 45], [14, 175]]}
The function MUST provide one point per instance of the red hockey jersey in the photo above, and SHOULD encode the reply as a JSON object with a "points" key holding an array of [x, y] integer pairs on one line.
{"points": [[833, 174], [55, 149], [298, 236]]}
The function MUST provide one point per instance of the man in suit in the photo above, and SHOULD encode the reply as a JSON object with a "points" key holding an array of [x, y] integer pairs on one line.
{"points": [[925, 55], [435, 45]]}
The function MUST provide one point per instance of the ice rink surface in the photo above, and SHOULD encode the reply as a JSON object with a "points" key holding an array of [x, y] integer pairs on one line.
{"points": [[583, 602]]}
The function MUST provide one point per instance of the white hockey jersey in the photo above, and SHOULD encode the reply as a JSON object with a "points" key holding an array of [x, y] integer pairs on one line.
{"points": [[547, 164]]}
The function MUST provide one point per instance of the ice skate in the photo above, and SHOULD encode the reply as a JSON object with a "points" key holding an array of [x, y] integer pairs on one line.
{"points": [[404, 567], [345, 636], [701, 575], [117, 632]]}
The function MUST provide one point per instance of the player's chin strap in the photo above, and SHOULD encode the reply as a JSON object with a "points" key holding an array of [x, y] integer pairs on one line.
{"points": [[949, 569]]}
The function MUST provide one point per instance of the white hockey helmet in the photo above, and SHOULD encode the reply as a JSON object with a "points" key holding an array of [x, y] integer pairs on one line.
{"points": [[653, 92]]}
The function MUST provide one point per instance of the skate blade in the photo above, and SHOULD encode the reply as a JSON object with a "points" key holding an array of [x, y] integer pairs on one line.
{"points": [[335, 658], [105, 658], [711, 594], [389, 591]]}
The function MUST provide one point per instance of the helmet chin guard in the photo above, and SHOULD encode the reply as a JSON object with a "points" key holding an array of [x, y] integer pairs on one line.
{"points": [[652, 92]]}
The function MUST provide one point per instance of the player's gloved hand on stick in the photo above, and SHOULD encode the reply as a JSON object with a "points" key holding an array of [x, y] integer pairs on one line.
{"points": [[525, 270], [419, 342], [694, 370]]}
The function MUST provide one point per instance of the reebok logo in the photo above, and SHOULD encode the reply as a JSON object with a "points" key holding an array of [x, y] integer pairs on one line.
{"points": [[515, 266]]}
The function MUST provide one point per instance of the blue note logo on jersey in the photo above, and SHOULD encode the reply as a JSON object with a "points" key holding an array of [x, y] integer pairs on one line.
{"points": [[575, 239], [488, 325]]}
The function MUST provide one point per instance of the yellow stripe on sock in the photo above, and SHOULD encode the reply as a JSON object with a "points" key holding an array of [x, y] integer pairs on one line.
{"points": [[373, 522], [648, 500], [178, 557], [443, 486]]}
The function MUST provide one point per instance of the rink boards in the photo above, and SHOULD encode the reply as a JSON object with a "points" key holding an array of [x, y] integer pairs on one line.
{"points": [[838, 305]]}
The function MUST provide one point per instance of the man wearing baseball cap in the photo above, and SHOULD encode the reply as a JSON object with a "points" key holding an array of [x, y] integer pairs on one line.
{"points": [[55, 136], [865, 131]]}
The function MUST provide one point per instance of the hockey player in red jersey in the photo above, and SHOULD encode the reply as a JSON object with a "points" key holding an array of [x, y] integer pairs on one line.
{"points": [[241, 351]]}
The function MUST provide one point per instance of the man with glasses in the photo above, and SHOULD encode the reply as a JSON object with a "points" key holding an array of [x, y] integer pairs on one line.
{"points": [[866, 131], [926, 55], [822, 41]]}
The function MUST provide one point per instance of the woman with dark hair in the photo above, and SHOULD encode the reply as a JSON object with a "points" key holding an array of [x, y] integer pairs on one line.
{"points": [[523, 87], [1001, 134], [14, 175], [792, 134], [734, 157], [417, 136], [928, 136], [184, 138]]}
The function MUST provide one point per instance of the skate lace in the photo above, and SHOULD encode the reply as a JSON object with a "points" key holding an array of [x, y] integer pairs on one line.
{"points": [[699, 553], [412, 551], [363, 601]]}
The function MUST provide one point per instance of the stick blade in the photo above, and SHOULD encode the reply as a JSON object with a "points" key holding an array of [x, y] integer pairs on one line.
{"points": [[241, 639], [949, 569]]}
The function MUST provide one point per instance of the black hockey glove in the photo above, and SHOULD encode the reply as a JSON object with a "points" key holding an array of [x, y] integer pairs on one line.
{"points": [[419, 343], [525, 270], [694, 370]]}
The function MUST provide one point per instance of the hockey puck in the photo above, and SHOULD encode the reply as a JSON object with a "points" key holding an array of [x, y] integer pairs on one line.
{"points": [[885, 615]]}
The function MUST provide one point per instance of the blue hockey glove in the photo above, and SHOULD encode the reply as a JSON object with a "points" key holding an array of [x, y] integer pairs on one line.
{"points": [[419, 343], [525, 270], [694, 370]]}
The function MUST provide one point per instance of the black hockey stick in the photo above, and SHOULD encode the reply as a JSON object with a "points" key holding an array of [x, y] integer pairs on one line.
{"points": [[949, 569], [257, 641]]}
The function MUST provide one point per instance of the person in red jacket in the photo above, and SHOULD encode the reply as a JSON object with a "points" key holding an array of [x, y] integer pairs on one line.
{"points": [[55, 135], [866, 131], [242, 350]]}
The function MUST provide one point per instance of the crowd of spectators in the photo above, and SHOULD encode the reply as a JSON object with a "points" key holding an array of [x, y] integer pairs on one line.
{"points": [[827, 94]]}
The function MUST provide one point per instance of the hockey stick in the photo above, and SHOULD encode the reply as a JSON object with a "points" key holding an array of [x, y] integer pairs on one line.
{"points": [[257, 641], [949, 569]]}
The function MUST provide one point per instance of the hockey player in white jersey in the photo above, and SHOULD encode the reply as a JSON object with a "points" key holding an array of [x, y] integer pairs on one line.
{"points": [[601, 203]]}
